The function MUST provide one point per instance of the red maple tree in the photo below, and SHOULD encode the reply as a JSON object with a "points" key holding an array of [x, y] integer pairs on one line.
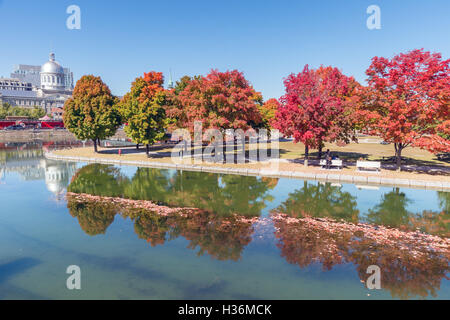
{"points": [[318, 107], [220, 100], [407, 101]]}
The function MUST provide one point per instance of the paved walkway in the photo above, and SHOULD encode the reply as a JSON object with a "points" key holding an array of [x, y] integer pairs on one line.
{"points": [[332, 176]]}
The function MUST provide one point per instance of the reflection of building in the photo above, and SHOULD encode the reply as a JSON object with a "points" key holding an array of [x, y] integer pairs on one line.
{"points": [[48, 86], [31, 165], [57, 174]]}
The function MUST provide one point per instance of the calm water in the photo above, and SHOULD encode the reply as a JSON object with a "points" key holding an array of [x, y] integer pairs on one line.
{"points": [[212, 252]]}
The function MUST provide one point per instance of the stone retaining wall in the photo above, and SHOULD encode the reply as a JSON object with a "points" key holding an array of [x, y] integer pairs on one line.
{"points": [[331, 177], [45, 135]]}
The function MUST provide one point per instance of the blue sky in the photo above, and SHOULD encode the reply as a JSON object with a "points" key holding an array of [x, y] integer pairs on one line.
{"points": [[267, 40]]}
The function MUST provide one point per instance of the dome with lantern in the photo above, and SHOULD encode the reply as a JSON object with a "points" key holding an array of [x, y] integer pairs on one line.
{"points": [[52, 75]]}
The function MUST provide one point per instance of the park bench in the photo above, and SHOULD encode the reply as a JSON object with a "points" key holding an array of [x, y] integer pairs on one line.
{"points": [[368, 165], [445, 156], [334, 163]]}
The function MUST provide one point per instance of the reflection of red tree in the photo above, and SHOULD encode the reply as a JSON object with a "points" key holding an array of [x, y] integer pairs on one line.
{"points": [[303, 245], [432, 222], [271, 183], [406, 274], [412, 263], [151, 227], [222, 237]]}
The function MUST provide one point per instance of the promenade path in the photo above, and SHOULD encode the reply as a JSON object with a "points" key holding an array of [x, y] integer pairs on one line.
{"points": [[414, 176]]}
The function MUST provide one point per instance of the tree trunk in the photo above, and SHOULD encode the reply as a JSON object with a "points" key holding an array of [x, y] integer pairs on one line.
{"points": [[306, 156], [137, 146], [147, 149], [398, 155], [320, 151], [235, 150], [95, 145]]}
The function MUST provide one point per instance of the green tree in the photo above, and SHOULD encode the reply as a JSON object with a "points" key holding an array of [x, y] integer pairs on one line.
{"points": [[99, 180], [142, 109], [321, 201], [392, 210], [36, 113], [4, 110], [91, 112], [94, 217]]}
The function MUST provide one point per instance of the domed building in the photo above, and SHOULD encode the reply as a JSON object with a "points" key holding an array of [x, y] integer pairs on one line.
{"points": [[52, 75], [47, 86]]}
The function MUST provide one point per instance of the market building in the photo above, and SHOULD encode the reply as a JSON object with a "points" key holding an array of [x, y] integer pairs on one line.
{"points": [[47, 88]]}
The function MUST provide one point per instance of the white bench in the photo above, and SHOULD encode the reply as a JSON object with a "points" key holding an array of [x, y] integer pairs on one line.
{"points": [[334, 163], [368, 165]]}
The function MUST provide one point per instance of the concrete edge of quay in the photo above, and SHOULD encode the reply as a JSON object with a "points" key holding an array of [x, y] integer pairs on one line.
{"points": [[326, 177]]}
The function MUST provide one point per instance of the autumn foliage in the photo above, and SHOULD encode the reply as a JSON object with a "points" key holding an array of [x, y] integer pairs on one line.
{"points": [[91, 112], [407, 101], [220, 100], [143, 109], [268, 112], [318, 107]]}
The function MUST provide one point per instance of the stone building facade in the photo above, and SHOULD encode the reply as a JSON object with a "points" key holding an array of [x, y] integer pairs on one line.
{"points": [[49, 89]]}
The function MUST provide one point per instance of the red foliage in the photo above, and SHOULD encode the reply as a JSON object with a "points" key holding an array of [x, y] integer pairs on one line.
{"points": [[318, 106], [407, 100], [154, 83], [223, 100]]}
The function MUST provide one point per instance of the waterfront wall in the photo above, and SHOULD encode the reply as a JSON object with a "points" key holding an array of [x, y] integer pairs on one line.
{"points": [[369, 180], [44, 135]]}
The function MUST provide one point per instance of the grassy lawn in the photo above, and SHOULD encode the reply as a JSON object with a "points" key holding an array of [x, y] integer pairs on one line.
{"points": [[372, 151]]}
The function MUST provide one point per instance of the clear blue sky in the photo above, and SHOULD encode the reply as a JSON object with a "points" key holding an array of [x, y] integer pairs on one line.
{"points": [[267, 40]]}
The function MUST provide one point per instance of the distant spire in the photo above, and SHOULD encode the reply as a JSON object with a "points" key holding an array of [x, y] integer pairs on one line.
{"points": [[170, 84]]}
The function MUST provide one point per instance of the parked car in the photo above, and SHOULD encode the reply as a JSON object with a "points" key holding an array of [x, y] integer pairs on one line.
{"points": [[15, 127], [384, 142]]}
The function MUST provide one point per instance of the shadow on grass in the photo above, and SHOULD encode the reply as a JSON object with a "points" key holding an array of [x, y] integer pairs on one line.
{"points": [[387, 163]]}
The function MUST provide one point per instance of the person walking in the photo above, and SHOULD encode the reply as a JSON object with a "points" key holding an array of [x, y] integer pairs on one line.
{"points": [[328, 159]]}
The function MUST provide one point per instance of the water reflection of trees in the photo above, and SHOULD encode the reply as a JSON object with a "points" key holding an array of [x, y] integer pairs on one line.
{"points": [[409, 269], [98, 179], [321, 200], [219, 194], [324, 200], [94, 218], [310, 232], [212, 226], [222, 237], [318, 224], [392, 211]]}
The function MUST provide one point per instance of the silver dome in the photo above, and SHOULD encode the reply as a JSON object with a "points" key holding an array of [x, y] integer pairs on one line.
{"points": [[52, 66]]}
